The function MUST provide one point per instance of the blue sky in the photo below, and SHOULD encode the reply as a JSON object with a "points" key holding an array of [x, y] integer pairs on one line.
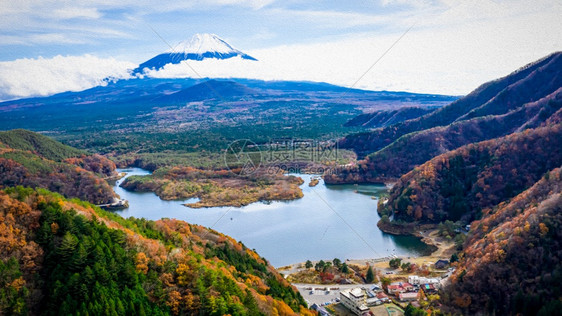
{"points": [[33, 28], [47, 46]]}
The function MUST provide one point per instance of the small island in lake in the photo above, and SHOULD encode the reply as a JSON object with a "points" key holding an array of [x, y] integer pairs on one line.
{"points": [[313, 182]]}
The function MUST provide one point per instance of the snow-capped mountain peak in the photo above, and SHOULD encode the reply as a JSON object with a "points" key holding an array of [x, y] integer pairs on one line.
{"points": [[201, 46], [202, 43]]}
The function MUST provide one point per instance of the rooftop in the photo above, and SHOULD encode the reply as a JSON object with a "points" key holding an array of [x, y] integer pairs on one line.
{"points": [[357, 292], [408, 295]]}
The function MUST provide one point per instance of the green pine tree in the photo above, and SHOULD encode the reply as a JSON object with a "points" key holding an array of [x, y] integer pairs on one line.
{"points": [[67, 247], [370, 275]]}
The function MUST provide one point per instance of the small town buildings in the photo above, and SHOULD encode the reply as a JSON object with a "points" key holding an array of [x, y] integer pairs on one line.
{"points": [[373, 301], [383, 297], [408, 296], [376, 288], [355, 300], [394, 288], [400, 287], [407, 287], [441, 264], [414, 279], [377, 298], [417, 280], [429, 288]]}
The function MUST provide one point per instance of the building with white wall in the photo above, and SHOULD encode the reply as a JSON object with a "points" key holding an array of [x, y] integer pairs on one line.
{"points": [[355, 300]]}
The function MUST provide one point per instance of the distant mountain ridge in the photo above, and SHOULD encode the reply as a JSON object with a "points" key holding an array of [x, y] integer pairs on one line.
{"points": [[398, 158], [200, 47], [525, 99], [211, 89], [104, 113], [545, 71], [385, 118]]}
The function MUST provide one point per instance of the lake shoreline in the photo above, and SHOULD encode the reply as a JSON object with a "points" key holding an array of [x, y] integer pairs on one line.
{"points": [[315, 226], [215, 189], [442, 249]]}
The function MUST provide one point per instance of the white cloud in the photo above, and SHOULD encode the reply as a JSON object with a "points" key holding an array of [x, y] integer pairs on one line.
{"points": [[52, 38], [91, 21], [429, 59], [455, 46], [336, 19], [411, 3], [71, 13], [255, 4], [45, 76]]}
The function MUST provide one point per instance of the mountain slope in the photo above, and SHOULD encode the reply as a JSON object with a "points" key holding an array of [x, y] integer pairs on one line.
{"points": [[127, 117], [61, 257], [33, 160], [512, 262], [461, 184], [386, 118], [528, 98], [211, 89], [201, 46], [527, 84], [39, 144], [398, 158]]}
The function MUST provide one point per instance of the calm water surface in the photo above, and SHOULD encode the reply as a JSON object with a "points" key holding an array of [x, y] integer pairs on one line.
{"points": [[328, 222]]}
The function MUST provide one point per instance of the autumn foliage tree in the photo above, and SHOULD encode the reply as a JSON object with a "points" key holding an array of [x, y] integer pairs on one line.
{"points": [[68, 257], [512, 262], [461, 184]]}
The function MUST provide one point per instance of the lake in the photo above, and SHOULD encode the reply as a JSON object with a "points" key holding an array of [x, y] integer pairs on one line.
{"points": [[328, 222]]}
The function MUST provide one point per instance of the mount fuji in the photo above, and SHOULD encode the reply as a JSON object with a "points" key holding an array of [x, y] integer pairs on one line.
{"points": [[200, 47]]}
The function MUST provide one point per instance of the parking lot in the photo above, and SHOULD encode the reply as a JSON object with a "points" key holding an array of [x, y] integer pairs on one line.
{"points": [[321, 294]]}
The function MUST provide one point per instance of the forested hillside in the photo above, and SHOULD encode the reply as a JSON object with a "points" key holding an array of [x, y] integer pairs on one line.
{"points": [[33, 160], [414, 149], [66, 257], [39, 144], [383, 118], [527, 84], [512, 263], [490, 160], [524, 99], [509, 190], [463, 183]]}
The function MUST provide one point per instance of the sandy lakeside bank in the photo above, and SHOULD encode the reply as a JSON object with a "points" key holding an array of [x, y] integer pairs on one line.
{"points": [[443, 250]]}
